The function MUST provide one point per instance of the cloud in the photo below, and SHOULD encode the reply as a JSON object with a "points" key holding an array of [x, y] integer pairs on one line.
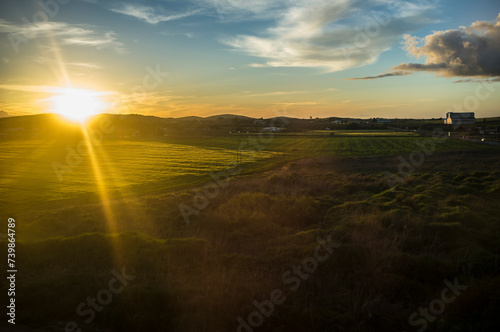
{"points": [[171, 34], [468, 51], [284, 93], [466, 80], [31, 88], [76, 65], [394, 73], [237, 10], [335, 35], [52, 89], [109, 38], [478, 80], [149, 14], [3, 114], [83, 65], [68, 34]]}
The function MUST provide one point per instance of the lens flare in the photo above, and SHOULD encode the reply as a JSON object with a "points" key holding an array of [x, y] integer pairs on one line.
{"points": [[78, 105]]}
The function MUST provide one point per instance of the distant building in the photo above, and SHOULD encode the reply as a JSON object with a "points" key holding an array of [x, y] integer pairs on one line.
{"points": [[272, 129], [460, 118]]}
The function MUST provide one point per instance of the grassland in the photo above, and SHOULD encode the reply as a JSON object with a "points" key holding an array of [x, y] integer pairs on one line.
{"points": [[396, 244], [128, 167]]}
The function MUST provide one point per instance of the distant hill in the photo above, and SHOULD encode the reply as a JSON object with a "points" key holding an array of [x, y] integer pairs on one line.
{"points": [[192, 117], [131, 125], [141, 126], [228, 116], [124, 125]]}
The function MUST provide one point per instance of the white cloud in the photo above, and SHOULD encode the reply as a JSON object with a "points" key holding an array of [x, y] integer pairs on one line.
{"points": [[171, 34], [77, 65], [333, 34], [237, 10], [83, 65], [52, 89], [68, 34], [149, 14]]}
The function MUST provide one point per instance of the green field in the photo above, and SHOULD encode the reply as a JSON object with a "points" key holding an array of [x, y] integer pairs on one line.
{"points": [[125, 167], [148, 167], [120, 208], [364, 133]]}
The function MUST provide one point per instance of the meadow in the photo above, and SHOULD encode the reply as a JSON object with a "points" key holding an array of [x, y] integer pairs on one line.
{"points": [[130, 167], [396, 245], [124, 167]]}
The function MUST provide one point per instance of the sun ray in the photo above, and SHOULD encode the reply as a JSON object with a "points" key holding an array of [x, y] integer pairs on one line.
{"points": [[61, 68], [78, 105], [115, 178], [105, 200]]}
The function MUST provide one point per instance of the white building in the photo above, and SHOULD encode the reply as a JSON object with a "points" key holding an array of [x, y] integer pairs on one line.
{"points": [[272, 129], [460, 118]]}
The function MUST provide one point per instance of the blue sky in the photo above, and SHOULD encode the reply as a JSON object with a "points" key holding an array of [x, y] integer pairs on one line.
{"points": [[371, 58]]}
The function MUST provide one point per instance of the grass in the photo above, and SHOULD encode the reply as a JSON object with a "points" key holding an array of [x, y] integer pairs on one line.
{"points": [[125, 167], [351, 133], [129, 167], [397, 244]]}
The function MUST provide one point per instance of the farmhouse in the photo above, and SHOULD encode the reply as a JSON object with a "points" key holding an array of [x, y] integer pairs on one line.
{"points": [[460, 118]]}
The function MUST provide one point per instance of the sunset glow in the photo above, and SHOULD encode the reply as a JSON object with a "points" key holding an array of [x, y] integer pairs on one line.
{"points": [[250, 165], [78, 105], [361, 59]]}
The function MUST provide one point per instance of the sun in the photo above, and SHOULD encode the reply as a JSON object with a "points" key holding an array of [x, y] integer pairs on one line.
{"points": [[78, 105]]}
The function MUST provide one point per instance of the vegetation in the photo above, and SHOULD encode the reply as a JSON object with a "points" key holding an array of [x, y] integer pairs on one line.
{"points": [[396, 244]]}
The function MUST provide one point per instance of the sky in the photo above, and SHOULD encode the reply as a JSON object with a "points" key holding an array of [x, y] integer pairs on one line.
{"points": [[258, 58]]}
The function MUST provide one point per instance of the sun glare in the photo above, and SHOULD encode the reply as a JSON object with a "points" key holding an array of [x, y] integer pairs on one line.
{"points": [[78, 105]]}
